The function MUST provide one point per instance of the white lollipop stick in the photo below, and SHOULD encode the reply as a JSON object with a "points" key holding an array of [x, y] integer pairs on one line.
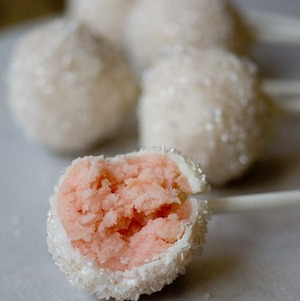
{"points": [[274, 28], [261, 201], [286, 92], [282, 87]]}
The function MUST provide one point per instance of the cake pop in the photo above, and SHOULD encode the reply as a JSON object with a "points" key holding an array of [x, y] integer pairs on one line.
{"points": [[154, 27], [126, 226], [67, 89], [122, 227], [209, 105]]}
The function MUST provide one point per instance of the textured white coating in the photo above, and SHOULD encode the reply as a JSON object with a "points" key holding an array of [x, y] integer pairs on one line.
{"points": [[209, 106], [68, 89], [145, 279], [104, 18], [155, 27]]}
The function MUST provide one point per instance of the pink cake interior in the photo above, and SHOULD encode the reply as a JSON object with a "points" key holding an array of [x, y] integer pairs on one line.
{"points": [[123, 214]]}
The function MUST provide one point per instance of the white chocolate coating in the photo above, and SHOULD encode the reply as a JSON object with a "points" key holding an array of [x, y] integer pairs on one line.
{"points": [[67, 89], [209, 106], [102, 17], [145, 279], [154, 27]]}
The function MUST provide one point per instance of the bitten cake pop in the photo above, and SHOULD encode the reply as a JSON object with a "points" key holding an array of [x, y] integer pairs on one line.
{"points": [[102, 17], [154, 27], [124, 226], [208, 105], [67, 89]]}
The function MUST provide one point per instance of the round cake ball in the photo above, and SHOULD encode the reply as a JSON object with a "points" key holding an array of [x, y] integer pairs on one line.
{"points": [[68, 89], [155, 27], [124, 226], [102, 17], [208, 105]]}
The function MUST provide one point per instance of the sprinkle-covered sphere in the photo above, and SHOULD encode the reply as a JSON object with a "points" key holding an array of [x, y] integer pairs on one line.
{"points": [[67, 89], [208, 105]]}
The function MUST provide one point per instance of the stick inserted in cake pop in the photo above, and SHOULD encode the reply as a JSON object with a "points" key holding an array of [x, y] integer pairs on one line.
{"points": [[241, 203], [282, 87], [274, 28]]}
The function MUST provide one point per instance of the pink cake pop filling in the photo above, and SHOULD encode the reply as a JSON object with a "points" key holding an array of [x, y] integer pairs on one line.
{"points": [[124, 213]]}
